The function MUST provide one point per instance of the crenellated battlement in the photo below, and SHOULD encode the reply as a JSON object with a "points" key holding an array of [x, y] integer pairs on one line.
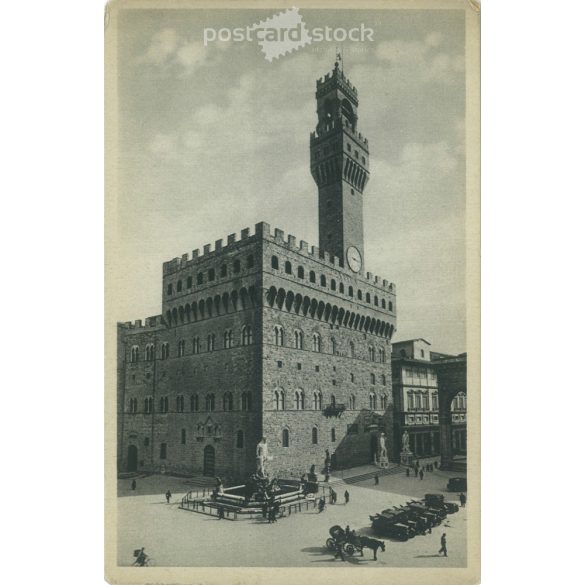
{"points": [[336, 77], [278, 236], [181, 262], [335, 124], [138, 325]]}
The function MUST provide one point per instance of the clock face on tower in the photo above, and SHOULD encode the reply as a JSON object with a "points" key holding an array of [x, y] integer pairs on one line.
{"points": [[354, 258]]}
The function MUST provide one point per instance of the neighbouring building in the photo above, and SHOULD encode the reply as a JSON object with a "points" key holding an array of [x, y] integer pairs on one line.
{"points": [[261, 335], [417, 391]]}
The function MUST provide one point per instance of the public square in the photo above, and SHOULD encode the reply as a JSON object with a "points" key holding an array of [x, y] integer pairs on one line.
{"points": [[175, 537]]}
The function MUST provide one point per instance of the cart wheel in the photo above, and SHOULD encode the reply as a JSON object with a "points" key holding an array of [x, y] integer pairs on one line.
{"points": [[349, 548], [330, 544]]}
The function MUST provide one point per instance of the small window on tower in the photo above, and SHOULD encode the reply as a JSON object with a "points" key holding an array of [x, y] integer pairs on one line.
{"points": [[363, 160], [349, 147]]}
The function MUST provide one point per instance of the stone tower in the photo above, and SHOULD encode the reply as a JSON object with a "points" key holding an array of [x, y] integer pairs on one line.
{"points": [[340, 167]]}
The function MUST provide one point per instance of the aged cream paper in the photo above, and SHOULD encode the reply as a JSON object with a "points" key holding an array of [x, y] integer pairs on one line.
{"points": [[207, 132]]}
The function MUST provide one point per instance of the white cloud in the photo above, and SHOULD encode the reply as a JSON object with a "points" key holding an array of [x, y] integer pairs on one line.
{"points": [[163, 46]]}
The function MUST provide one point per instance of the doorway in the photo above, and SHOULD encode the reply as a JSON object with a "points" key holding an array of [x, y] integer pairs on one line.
{"points": [[209, 461], [132, 458]]}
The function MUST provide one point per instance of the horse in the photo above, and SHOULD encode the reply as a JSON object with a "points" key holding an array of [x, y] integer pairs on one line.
{"points": [[374, 544]]}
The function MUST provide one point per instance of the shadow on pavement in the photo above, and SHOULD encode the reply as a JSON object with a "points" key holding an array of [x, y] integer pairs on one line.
{"points": [[427, 556]]}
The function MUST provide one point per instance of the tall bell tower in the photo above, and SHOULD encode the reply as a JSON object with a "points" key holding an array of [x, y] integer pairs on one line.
{"points": [[340, 167]]}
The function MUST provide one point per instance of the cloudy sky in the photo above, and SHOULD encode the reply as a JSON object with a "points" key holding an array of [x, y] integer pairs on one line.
{"points": [[214, 139]]}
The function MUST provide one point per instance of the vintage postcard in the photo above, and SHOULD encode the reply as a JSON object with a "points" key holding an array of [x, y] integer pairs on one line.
{"points": [[292, 292]]}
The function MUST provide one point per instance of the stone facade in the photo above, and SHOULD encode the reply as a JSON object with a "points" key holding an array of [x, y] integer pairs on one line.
{"points": [[264, 336]]}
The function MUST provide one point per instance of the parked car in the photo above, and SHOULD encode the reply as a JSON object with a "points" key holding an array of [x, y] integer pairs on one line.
{"points": [[387, 525], [457, 484]]}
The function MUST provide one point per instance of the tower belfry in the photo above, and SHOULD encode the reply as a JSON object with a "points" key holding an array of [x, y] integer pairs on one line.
{"points": [[340, 167]]}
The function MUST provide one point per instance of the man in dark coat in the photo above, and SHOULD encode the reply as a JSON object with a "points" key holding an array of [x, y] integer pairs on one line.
{"points": [[421, 474], [346, 496], [443, 548], [168, 496]]}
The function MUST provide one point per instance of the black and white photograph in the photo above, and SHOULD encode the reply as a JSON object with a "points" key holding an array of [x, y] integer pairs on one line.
{"points": [[292, 292]]}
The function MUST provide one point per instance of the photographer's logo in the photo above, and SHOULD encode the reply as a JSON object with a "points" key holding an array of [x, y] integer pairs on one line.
{"points": [[286, 32]]}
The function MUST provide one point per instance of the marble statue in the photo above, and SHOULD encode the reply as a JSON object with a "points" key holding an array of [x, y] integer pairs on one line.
{"points": [[405, 442], [382, 453], [261, 457]]}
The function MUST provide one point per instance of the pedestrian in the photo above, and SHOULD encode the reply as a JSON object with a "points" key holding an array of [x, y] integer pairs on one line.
{"points": [[421, 474], [168, 496], [462, 499], [408, 472], [443, 548], [338, 551], [346, 496], [333, 497], [376, 479], [133, 486], [321, 505], [220, 513]]}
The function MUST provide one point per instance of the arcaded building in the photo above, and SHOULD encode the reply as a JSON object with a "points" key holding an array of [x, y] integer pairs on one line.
{"points": [[264, 335]]}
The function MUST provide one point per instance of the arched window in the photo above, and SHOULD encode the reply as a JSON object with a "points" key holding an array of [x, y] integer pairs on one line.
{"points": [[383, 303], [246, 400], [288, 267], [228, 339], [375, 300], [351, 377], [148, 405], [189, 282], [350, 291], [417, 401], [333, 435], [352, 349], [333, 346], [285, 438], [368, 299], [246, 335], [200, 278], [371, 353], [275, 262], [163, 404], [314, 436], [372, 401], [298, 339], [240, 440], [383, 379], [316, 342], [210, 402], [341, 288], [372, 378], [237, 266], [333, 284], [211, 342], [278, 335], [299, 400], [196, 345], [435, 401], [425, 399], [194, 402], [390, 305], [179, 286], [134, 354], [352, 402], [317, 401], [181, 348], [170, 288], [359, 295], [381, 355], [279, 399], [164, 351], [323, 280], [301, 272], [250, 261], [312, 277], [180, 403], [228, 401]]}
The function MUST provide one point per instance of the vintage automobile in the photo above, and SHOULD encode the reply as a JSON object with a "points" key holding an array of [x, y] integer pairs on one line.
{"points": [[338, 536], [457, 484], [394, 524], [429, 514], [437, 502]]}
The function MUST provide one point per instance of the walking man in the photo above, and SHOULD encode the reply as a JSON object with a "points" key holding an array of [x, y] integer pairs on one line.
{"points": [[333, 497], [346, 496], [421, 474], [168, 496], [443, 548], [376, 479]]}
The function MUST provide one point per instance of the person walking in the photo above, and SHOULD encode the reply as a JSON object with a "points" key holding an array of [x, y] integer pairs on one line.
{"points": [[333, 497], [421, 474], [443, 548], [133, 485], [346, 496], [376, 479], [321, 505], [168, 496]]}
